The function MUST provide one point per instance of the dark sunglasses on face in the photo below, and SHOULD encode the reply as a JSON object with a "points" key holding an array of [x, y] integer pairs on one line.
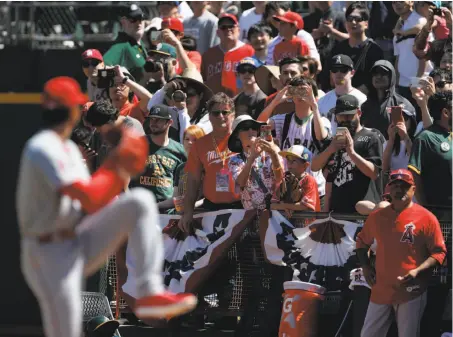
{"points": [[342, 70], [135, 20], [352, 18], [245, 70], [227, 27], [90, 63], [217, 113]]}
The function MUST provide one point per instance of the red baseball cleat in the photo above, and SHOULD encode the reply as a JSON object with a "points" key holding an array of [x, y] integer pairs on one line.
{"points": [[165, 305]]}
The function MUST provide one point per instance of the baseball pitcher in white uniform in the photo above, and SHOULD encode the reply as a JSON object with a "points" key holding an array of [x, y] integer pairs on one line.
{"points": [[70, 221]]}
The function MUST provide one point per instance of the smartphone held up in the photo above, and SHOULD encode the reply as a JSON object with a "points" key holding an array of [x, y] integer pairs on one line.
{"points": [[266, 133]]}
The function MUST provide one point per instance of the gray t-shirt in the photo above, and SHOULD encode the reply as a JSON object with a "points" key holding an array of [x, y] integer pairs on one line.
{"points": [[48, 163], [203, 29]]}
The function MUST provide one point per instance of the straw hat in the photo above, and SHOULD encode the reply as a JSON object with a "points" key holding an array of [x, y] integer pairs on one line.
{"points": [[262, 77]]}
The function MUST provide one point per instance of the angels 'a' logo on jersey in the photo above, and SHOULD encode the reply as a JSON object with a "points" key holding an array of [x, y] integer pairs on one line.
{"points": [[408, 235]]}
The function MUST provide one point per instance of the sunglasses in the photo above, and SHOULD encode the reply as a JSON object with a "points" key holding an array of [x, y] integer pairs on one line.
{"points": [[131, 20], [90, 63], [342, 70], [245, 70], [352, 18], [227, 27], [217, 113]]}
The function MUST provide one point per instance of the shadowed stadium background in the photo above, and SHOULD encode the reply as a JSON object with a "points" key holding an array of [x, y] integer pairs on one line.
{"points": [[24, 72]]}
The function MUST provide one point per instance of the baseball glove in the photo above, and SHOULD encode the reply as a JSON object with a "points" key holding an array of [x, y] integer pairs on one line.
{"points": [[130, 149], [289, 190]]}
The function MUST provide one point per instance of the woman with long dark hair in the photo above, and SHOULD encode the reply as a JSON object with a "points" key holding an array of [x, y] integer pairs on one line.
{"points": [[399, 145]]}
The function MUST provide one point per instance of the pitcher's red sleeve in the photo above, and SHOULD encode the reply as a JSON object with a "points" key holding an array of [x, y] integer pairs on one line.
{"points": [[104, 185]]}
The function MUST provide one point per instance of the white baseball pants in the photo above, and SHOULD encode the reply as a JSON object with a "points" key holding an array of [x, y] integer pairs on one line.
{"points": [[55, 271]]}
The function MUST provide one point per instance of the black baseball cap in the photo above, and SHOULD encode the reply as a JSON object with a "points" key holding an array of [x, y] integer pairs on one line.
{"points": [[159, 111], [346, 105], [133, 11], [342, 60]]}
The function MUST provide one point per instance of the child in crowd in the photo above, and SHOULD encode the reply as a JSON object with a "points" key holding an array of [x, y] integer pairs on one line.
{"points": [[299, 191], [291, 45]]}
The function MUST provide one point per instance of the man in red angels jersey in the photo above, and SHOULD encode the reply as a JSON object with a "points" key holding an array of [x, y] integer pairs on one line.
{"points": [[409, 244], [219, 62]]}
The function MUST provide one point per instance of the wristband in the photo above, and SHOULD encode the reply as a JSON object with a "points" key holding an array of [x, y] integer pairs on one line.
{"points": [[125, 80]]}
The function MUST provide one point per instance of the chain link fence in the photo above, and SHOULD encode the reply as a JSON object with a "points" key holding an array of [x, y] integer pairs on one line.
{"points": [[62, 25]]}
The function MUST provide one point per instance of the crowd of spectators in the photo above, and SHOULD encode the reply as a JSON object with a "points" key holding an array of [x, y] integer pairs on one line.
{"points": [[270, 109]]}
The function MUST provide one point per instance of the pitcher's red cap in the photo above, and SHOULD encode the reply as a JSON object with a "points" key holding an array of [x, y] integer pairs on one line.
{"points": [[63, 91], [173, 24], [403, 175], [291, 17], [92, 54]]}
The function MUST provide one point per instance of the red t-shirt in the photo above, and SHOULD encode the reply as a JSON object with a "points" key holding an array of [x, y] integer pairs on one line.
{"points": [[290, 48], [310, 194], [404, 241], [195, 57], [133, 110]]}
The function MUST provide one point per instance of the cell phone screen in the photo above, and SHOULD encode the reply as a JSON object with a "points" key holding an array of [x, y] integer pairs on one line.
{"points": [[155, 35], [396, 113], [266, 132]]}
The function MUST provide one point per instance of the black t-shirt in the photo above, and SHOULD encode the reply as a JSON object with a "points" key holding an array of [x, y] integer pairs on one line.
{"points": [[251, 105], [362, 74], [349, 184], [326, 44]]}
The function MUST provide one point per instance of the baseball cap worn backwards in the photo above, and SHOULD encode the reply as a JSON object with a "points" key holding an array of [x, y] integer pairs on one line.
{"points": [[62, 91]]}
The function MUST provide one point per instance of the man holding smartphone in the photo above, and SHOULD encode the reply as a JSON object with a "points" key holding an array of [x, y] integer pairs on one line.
{"points": [[353, 159]]}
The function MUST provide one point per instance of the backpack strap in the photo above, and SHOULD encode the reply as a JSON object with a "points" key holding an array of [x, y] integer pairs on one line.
{"points": [[286, 128]]}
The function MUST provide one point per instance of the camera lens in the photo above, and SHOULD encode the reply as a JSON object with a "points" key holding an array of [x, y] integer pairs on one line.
{"points": [[152, 66], [179, 96]]}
